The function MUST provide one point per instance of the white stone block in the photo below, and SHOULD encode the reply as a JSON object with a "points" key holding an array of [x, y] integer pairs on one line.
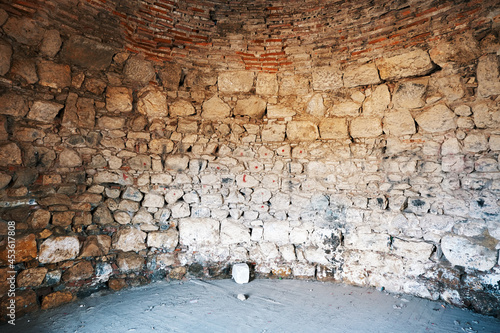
{"points": [[241, 273]]}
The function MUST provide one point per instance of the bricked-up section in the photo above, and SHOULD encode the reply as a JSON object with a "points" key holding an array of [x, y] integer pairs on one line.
{"points": [[264, 36]]}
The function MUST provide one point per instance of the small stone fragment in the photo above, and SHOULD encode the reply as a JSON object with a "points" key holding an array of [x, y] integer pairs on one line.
{"points": [[241, 274]]}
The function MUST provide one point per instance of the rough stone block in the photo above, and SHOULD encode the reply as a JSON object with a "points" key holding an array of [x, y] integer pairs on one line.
{"points": [[161, 146], [417, 251], [315, 107], [345, 109], [215, 109], [233, 82], [468, 252], [139, 71], [475, 142], [333, 128], [24, 30], [51, 43], [399, 122], [367, 242], [488, 75], [414, 63], [376, 104], [13, 104], [81, 271], [361, 75], [57, 249], [234, 232], [87, 53], [153, 200], [130, 262], [69, 158], [277, 232], [119, 99], [129, 239], [44, 111], [10, 154], [54, 75], [409, 94], [302, 131], [253, 107], [31, 277], [362, 127], [294, 85], [181, 108], [437, 119], [153, 103], [177, 163], [267, 84], [241, 273], [327, 78], [170, 76], [5, 56], [96, 246], [198, 232], [166, 240]]}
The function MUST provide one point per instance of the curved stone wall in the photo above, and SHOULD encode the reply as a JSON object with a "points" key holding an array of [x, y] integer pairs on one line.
{"points": [[125, 158]]}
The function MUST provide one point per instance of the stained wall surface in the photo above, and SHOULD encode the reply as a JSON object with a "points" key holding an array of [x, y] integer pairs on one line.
{"points": [[346, 141]]}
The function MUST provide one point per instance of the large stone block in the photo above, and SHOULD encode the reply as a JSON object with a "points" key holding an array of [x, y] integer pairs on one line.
{"points": [[362, 127], [177, 163], [417, 251], [96, 246], [181, 108], [376, 104], [57, 249], [161, 146], [56, 299], [267, 84], [25, 250], [69, 158], [12, 104], [437, 119], [198, 232], [51, 43], [302, 131], [475, 142], [87, 53], [119, 99], [215, 109], [129, 239], [399, 122], [488, 75], [327, 78], [414, 63], [273, 133], [81, 271], [294, 85], [279, 111], [253, 107], [153, 103], [315, 107], [333, 128], [24, 30], [170, 76], [469, 252], [139, 71], [44, 111], [233, 232], [10, 154], [234, 82], [409, 94], [345, 109], [166, 240], [31, 277], [54, 75], [361, 75], [130, 262], [5, 56], [153, 200], [367, 242], [277, 232]]}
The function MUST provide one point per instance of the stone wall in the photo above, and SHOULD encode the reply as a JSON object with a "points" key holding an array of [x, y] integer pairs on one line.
{"points": [[117, 169]]}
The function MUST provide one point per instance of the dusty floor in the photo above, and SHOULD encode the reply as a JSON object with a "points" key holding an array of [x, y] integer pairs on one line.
{"points": [[272, 306]]}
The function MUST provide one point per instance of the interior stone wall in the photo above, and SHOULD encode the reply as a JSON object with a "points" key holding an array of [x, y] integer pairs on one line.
{"points": [[124, 161]]}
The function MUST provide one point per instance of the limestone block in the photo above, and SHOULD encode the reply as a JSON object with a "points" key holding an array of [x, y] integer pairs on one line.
{"points": [[267, 84], [173, 195], [87, 53], [488, 75], [10, 154], [241, 273], [376, 104], [57, 249], [13, 104], [437, 119], [119, 99], [333, 128], [451, 147], [215, 109], [315, 255], [253, 107], [176, 163], [44, 111], [129, 239], [361, 75], [475, 142], [166, 240], [494, 143], [153, 200], [294, 85], [54, 75], [31, 277], [302, 131], [51, 43], [142, 217], [162, 179], [418, 205], [465, 122], [399, 122], [315, 106], [279, 111], [198, 232], [181, 108], [288, 252], [367, 242], [81, 271], [39, 219], [345, 109], [130, 262], [414, 63], [133, 194], [170, 76], [161, 146], [327, 78], [138, 70], [180, 209], [362, 127], [233, 232], [102, 215], [409, 94], [485, 117], [24, 68], [462, 49], [27, 134], [211, 200], [453, 163], [96, 246], [463, 110], [486, 165], [69, 158], [24, 30], [437, 223], [233, 82], [153, 103], [417, 251], [451, 87], [260, 195], [121, 217], [140, 162], [277, 232], [5, 56], [468, 252]]}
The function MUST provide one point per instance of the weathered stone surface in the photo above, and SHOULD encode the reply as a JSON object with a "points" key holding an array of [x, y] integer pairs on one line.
{"points": [[294, 85], [399, 122], [362, 127], [81, 271], [468, 252], [302, 131], [486, 165], [56, 299], [488, 75], [129, 239], [279, 111], [96, 246], [363, 75], [10, 154], [198, 232], [79, 112], [31, 277], [367, 242], [161, 146], [27, 134], [111, 123], [62, 219], [333, 128], [414, 63], [44, 111], [4, 180], [215, 109], [315, 107], [181, 108], [12, 104], [277, 232], [233, 232], [267, 84], [24, 30], [87, 53], [153, 200], [140, 71], [117, 284], [451, 147], [475, 142], [273, 133], [451, 87], [153, 103], [57, 249], [253, 107], [180, 210], [130, 262], [25, 69], [166, 240], [177, 163], [326, 78], [376, 104], [69, 158], [170, 76], [437, 119], [5, 56], [345, 109], [463, 49], [231, 82], [409, 94], [102, 216], [494, 143], [51, 43], [54, 75], [26, 249], [119, 99]]}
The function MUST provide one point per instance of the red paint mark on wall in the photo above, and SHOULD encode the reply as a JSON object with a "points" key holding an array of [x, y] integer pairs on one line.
{"points": [[244, 178]]}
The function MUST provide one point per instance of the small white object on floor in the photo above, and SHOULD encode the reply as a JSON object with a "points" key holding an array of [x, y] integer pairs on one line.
{"points": [[242, 297], [241, 273]]}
